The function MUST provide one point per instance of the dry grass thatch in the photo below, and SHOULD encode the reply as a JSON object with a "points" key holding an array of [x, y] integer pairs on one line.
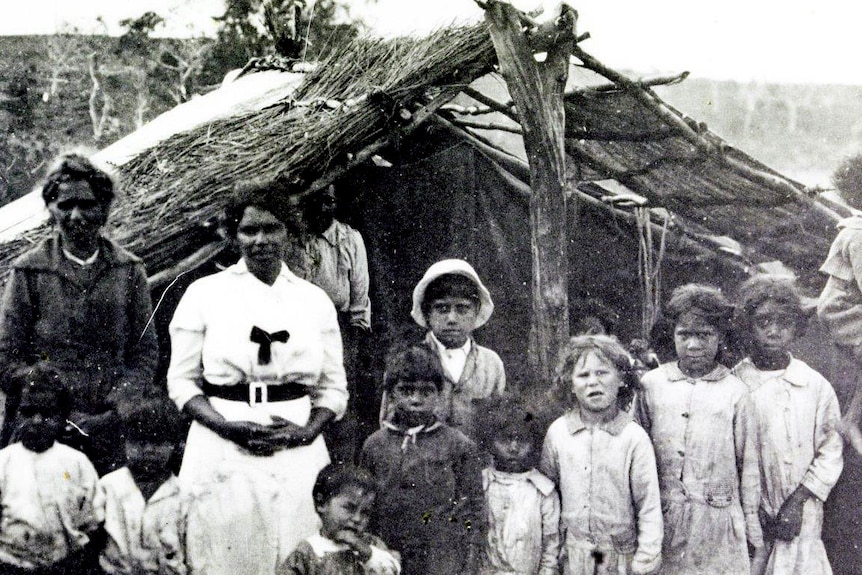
{"points": [[172, 189]]}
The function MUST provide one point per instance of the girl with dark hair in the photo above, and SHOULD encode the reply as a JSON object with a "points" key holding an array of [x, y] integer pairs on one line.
{"points": [[700, 420], [796, 414]]}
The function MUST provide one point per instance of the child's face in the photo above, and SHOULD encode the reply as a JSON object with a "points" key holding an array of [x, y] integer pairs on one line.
{"points": [[773, 330], [40, 421], [414, 401], [512, 453], [452, 319], [146, 458], [347, 510], [696, 343], [596, 383]]}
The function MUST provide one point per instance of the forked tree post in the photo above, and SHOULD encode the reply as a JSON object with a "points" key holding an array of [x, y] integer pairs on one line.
{"points": [[537, 86]]}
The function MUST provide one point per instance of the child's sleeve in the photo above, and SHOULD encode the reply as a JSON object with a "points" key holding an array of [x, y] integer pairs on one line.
{"points": [[91, 514], [383, 561], [645, 495], [828, 462], [641, 410], [469, 492], [299, 562], [748, 467], [549, 463], [550, 534]]}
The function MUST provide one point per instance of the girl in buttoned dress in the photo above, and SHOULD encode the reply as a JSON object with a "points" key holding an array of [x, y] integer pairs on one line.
{"points": [[603, 465], [796, 413], [700, 419]]}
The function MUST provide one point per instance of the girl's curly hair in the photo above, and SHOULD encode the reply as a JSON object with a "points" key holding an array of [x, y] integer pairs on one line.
{"points": [[759, 289], [606, 348], [709, 303]]}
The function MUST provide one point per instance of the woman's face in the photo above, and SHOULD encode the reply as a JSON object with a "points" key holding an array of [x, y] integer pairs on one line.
{"points": [[261, 237], [77, 213]]}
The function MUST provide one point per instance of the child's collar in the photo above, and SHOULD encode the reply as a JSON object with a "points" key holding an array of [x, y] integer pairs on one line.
{"points": [[322, 545], [615, 426], [674, 373], [467, 347], [410, 433]]}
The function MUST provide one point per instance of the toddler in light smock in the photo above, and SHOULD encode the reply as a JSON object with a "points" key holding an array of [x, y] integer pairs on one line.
{"points": [[603, 465], [523, 506]]}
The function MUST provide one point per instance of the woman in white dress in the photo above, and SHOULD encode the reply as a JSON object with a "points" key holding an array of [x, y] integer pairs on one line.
{"points": [[256, 361]]}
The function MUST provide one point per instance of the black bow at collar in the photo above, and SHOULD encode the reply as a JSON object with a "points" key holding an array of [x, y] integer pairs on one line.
{"points": [[265, 340]]}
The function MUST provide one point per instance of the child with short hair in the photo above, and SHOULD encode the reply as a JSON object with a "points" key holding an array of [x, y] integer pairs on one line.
{"points": [[523, 506], [796, 413], [429, 480], [47, 489], [701, 423], [451, 302], [344, 498], [603, 465], [143, 504]]}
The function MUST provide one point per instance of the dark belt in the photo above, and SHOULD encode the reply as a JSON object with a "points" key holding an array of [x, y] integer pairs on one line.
{"points": [[256, 393]]}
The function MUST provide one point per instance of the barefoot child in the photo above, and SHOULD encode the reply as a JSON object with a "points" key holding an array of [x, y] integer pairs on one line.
{"points": [[145, 509], [47, 489], [796, 413], [603, 464], [523, 506], [344, 497], [700, 420], [429, 475]]}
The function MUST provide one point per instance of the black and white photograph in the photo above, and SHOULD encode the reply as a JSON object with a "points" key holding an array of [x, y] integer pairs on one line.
{"points": [[450, 287]]}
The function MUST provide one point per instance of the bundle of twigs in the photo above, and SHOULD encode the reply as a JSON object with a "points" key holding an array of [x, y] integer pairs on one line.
{"points": [[170, 190]]}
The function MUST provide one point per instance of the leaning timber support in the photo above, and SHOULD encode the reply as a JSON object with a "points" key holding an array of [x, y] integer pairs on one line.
{"points": [[537, 89]]}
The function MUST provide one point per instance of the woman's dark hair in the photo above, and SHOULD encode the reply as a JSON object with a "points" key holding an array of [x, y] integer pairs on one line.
{"points": [[336, 477], [703, 300], [506, 418], [78, 168], [153, 420], [414, 363], [265, 195], [607, 348], [759, 289], [44, 380], [450, 285]]}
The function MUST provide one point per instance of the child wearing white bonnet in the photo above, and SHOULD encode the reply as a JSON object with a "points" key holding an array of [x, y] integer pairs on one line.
{"points": [[451, 302]]}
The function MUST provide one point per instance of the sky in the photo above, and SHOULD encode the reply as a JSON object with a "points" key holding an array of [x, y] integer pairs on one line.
{"points": [[790, 41]]}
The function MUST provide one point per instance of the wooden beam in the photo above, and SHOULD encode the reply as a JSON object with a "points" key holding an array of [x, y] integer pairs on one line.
{"points": [[537, 90]]}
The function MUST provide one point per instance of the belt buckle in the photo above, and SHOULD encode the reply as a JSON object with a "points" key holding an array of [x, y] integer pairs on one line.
{"points": [[257, 393]]}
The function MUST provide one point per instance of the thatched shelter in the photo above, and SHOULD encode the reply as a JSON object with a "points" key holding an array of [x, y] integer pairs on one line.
{"points": [[448, 180]]}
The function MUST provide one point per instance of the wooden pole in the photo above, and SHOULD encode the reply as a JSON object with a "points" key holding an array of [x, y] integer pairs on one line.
{"points": [[537, 90]]}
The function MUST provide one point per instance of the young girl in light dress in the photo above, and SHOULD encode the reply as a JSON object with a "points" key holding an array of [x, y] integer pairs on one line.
{"points": [[700, 420], [603, 465], [797, 415]]}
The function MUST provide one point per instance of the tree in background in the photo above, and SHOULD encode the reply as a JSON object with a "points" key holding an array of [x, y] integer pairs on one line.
{"points": [[72, 90], [293, 29]]}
